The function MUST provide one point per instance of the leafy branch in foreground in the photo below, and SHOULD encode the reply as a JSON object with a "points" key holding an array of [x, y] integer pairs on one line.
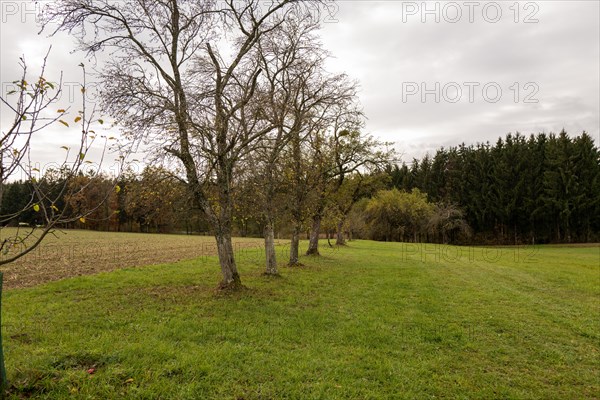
{"points": [[32, 104]]}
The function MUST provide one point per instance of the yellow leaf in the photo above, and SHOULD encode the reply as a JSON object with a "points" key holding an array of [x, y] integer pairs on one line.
{"points": [[60, 111], [64, 147], [82, 220], [77, 119], [54, 207], [101, 121], [36, 207], [63, 122], [130, 380], [117, 188]]}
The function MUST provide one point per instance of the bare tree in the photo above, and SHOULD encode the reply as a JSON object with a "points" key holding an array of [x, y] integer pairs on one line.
{"points": [[342, 150], [355, 155], [296, 88], [355, 186], [300, 96], [173, 84]]}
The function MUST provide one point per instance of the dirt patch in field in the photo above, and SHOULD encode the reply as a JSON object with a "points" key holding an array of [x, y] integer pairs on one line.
{"points": [[76, 253]]}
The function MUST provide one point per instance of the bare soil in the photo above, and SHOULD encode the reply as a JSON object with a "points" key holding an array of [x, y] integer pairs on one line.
{"points": [[72, 253]]}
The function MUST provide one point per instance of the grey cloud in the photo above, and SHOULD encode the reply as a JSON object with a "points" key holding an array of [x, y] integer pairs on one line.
{"points": [[370, 42]]}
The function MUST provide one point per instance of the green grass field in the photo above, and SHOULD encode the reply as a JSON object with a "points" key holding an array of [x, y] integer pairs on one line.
{"points": [[369, 321]]}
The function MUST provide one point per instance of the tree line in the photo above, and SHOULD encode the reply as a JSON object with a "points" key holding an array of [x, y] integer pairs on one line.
{"points": [[536, 189], [544, 188]]}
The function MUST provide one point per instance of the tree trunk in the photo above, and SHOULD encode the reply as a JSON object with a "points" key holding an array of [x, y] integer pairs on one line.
{"points": [[340, 241], [271, 259], [231, 278], [315, 232], [294, 246], [298, 199]]}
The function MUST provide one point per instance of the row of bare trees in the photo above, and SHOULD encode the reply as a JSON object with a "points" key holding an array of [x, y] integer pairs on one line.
{"points": [[232, 92]]}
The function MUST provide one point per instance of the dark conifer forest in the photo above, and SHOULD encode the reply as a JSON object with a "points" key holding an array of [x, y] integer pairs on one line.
{"points": [[543, 188]]}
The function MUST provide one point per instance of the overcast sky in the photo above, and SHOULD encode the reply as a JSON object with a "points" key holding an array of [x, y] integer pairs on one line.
{"points": [[483, 69]]}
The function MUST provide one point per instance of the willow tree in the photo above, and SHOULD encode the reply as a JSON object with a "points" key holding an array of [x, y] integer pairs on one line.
{"points": [[179, 77]]}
